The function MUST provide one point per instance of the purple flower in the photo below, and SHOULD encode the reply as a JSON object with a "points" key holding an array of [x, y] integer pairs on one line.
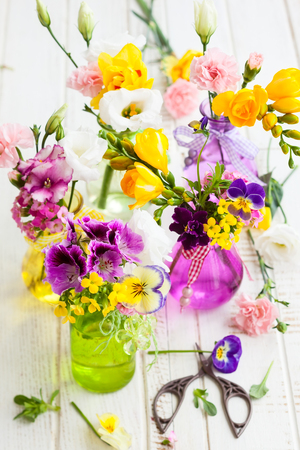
{"points": [[104, 259], [190, 227], [65, 268], [227, 353], [204, 122], [94, 229], [245, 197], [45, 154]]}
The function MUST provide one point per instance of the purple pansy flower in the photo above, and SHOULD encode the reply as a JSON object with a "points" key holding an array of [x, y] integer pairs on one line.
{"points": [[245, 197], [190, 227], [227, 353], [65, 268], [105, 259]]}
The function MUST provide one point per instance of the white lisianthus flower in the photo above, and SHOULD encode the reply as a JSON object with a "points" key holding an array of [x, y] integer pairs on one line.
{"points": [[83, 150], [205, 15], [279, 243], [113, 45], [157, 245], [136, 109], [111, 432]]}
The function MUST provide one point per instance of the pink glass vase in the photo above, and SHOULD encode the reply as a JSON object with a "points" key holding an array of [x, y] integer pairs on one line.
{"points": [[219, 279]]}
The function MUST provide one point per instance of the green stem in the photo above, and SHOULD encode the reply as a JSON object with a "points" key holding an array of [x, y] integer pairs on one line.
{"points": [[71, 195], [44, 140], [63, 49], [198, 168], [204, 47], [20, 154], [279, 204], [268, 156], [160, 352], [289, 175], [108, 174], [244, 85], [85, 418]]}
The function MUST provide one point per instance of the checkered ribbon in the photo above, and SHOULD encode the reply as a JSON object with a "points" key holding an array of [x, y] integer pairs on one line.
{"points": [[197, 255], [231, 141]]}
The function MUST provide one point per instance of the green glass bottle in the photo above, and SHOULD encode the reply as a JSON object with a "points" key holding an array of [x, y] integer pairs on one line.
{"points": [[99, 362]]}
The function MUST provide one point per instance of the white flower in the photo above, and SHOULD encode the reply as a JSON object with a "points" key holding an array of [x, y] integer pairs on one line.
{"points": [[113, 45], [157, 245], [83, 150], [205, 15], [136, 109], [111, 432], [86, 21], [279, 243]]}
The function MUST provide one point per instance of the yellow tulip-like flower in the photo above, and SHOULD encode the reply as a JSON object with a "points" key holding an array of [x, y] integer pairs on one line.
{"points": [[182, 68], [269, 121], [266, 222], [125, 70], [142, 184], [151, 146], [287, 105], [241, 108], [285, 83]]}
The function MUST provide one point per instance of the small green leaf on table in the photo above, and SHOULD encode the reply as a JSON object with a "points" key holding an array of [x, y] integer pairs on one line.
{"points": [[260, 390]]}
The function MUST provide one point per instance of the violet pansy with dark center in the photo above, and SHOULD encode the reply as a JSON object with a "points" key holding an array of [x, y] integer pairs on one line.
{"points": [[190, 227], [245, 197], [226, 354]]}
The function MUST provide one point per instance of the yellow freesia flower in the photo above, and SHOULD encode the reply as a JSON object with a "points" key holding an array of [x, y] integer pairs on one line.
{"points": [[266, 222], [125, 70], [142, 184], [151, 146], [182, 68], [285, 83], [287, 105], [241, 108]]}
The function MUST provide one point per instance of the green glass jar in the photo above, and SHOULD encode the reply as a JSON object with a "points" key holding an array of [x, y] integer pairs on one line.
{"points": [[99, 362]]}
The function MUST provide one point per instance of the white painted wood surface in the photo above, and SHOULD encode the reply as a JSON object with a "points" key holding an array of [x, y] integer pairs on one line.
{"points": [[34, 347]]}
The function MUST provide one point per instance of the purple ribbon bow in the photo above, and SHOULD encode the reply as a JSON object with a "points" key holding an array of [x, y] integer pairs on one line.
{"points": [[231, 141]]}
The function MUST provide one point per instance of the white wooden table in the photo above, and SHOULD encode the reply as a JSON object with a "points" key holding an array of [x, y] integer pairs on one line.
{"points": [[34, 347]]}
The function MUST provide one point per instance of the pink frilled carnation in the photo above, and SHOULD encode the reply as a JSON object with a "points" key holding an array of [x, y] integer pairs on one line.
{"points": [[255, 317], [215, 71], [86, 79], [255, 60], [181, 98], [13, 135]]}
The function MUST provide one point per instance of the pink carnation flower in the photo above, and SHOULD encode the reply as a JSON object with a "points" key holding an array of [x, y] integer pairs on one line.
{"points": [[215, 71], [181, 98], [86, 79], [13, 135], [125, 311], [255, 60], [255, 317]]}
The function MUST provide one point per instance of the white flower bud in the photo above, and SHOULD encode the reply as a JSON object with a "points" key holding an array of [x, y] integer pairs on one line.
{"points": [[43, 14], [86, 21], [56, 119], [205, 14]]}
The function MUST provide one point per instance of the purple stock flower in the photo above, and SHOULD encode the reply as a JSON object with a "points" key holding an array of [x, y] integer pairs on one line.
{"points": [[190, 227], [245, 197], [227, 353], [48, 153], [105, 259], [65, 268]]}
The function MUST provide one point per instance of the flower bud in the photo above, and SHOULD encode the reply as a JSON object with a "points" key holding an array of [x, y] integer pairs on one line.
{"points": [[112, 139], [56, 119], [178, 189], [291, 119], [120, 163], [262, 112], [60, 134], [276, 131], [174, 202], [158, 201], [269, 121], [295, 150], [15, 178], [168, 194], [186, 197], [252, 66], [86, 22], [128, 145], [282, 327], [110, 154], [131, 167], [43, 14], [205, 15], [291, 162], [170, 179], [293, 134], [284, 147]]}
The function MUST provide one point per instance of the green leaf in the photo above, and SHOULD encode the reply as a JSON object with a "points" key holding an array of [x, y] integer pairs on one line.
{"points": [[200, 393], [166, 442], [54, 394], [274, 195], [260, 390], [196, 401], [21, 399], [35, 399], [209, 407]]}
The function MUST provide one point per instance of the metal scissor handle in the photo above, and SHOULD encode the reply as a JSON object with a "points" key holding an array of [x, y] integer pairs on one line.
{"points": [[177, 387]]}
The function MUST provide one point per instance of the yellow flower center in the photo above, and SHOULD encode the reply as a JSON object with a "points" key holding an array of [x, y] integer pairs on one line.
{"points": [[220, 352], [130, 111]]}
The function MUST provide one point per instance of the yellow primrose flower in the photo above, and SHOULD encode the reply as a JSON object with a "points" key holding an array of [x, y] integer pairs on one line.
{"points": [[106, 310], [151, 146], [111, 432], [211, 228], [78, 310], [125, 70], [223, 205], [61, 309], [94, 306], [93, 283], [118, 295], [266, 222], [182, 68]]}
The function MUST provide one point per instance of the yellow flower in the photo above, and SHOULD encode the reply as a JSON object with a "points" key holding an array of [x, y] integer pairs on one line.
{"points": [[285, 83], [111, 432], [92, 283], [287, 105], [222, 239], [223, 205], [125, 70], [151, 146], [106, 310], [241, 108], [118, 295], [94, 306], [167, 64], [269, 121], [142, 184], [61, 309], [266, 222], [211, 228], [69, 318], [229, 220], [109, 421], [78, 310], [182, 68]]}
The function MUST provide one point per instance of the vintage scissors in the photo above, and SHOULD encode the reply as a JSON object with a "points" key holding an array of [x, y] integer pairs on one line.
{"points": [[178, 387]]}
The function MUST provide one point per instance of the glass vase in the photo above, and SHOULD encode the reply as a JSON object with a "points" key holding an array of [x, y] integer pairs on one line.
{"points": [[99, 362], [219, 279], [33, 270]]}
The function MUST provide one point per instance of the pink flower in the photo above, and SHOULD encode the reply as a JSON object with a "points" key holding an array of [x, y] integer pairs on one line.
{"points": [[125, 311], [181, 98], [215, 71], [255, 317], [172, 437], [86, 79], [13, 135], [256, 217], [255, 60]]}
